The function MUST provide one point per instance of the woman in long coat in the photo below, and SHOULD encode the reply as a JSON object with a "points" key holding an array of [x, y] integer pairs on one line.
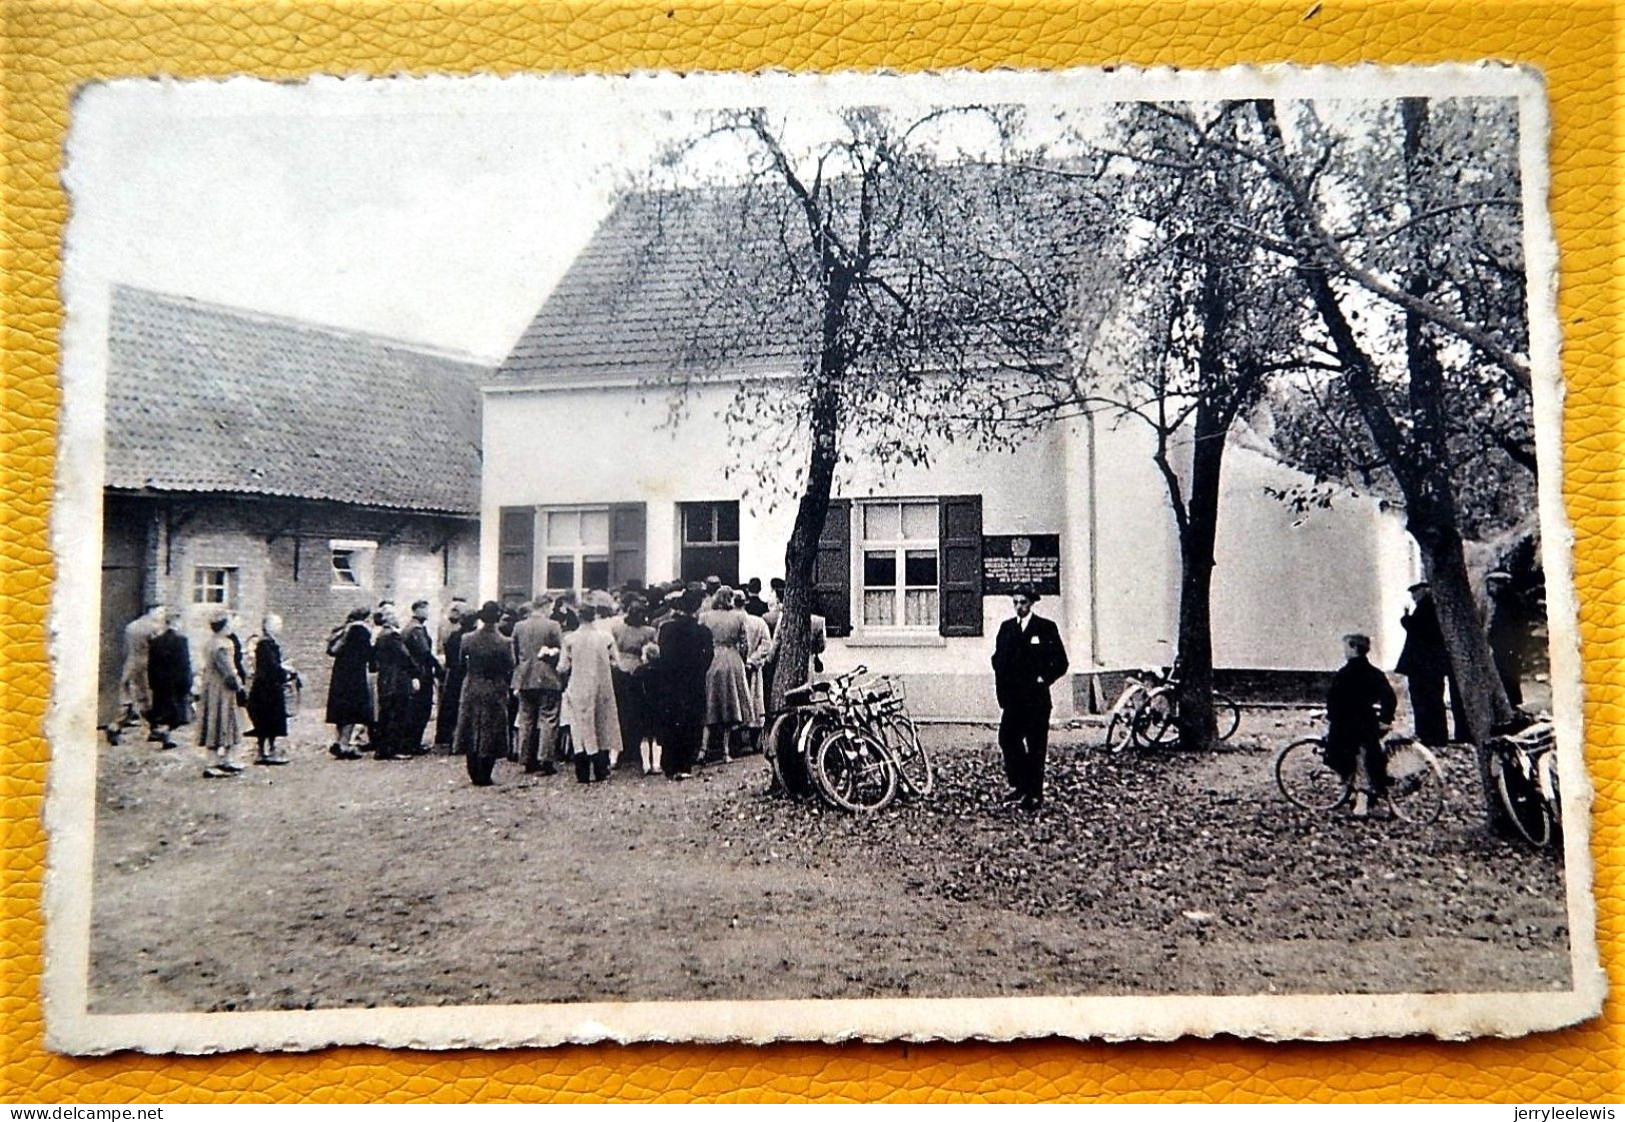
{"points": [[727, 691], [588, 656], [482, 712], [349, 696], [267, 694], [398, 682], [220, 726]]}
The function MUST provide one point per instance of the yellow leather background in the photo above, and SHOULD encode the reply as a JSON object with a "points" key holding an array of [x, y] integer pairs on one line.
{"points": [[52, 45]]}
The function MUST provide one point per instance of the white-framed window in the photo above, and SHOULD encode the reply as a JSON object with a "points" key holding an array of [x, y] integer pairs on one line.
{"points": [[215, 585], [574, 547], [898, 564], [352, 562]]}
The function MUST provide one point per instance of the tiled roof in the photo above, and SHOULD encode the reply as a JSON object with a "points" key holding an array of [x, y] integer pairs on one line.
{"points": [[641, 300], [626, 304], [206, 398]]}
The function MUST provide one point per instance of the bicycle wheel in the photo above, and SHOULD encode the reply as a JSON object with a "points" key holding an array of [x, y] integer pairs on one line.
{"points": [[1521, 797], [1120, 726], [915, 775], [1415, 783], [855, 771], [779, 743], [1228, 715], [1305, 778], [1156, 721]]}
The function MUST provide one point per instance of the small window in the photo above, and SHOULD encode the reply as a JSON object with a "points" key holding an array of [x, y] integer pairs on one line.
{"points": [[215, 585], [710, 542], [352, 563], [575, 549]]}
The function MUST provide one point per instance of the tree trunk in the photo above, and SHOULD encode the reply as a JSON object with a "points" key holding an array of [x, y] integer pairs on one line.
{"points": [[1197, 730], [1431, 502], [802, 550]]}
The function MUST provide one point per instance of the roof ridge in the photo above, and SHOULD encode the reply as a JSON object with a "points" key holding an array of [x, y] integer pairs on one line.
{"points": [[275, 319]]}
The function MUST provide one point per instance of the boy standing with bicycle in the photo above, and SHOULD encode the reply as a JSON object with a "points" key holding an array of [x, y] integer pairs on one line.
{"points": [[1359, 712]]}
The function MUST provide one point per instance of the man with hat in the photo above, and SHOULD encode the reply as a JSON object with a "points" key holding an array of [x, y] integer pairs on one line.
{"points": [[1027, 658], [1425, 664]]}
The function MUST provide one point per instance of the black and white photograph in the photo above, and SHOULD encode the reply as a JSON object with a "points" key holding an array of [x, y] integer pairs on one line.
{"points": [[757, 557]]}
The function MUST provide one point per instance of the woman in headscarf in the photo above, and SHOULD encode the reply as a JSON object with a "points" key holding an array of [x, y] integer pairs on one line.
{"points": [[267, 694], [482, 712], [397, 682], [451, 693], [727, 693], [589, 693], [220, 728], [349, 695]]}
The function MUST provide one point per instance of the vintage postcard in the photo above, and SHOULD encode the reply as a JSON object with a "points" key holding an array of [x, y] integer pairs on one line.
{"points": [[758, 557]]}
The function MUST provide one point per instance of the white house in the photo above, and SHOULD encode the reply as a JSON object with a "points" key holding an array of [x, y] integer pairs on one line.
{"points": [[586, 483]]}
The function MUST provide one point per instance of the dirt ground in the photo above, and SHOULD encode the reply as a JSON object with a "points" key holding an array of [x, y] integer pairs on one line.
{"points": [[330, 883]]}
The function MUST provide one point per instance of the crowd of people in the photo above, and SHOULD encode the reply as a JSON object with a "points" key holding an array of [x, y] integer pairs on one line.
{"points": [[660, 679], [160, 689]]}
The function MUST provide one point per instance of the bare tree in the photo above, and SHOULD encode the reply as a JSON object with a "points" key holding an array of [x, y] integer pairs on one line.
{"points": [[901, 265]]}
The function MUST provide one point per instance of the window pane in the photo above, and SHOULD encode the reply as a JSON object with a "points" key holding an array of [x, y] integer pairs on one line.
{"points": [[563, 528], [595, 572], [879, 608], [920, 568], [561, 572], [920, 607], [727, 522], [697, 523], [344, 568], [880, 523], [595, 528], [880, 569], [920, 522]]}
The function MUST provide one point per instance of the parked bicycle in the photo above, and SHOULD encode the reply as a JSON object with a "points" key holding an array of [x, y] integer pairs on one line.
{"points": [[851, 741], [1414, 790], [1523, 766], [1146, 713]]}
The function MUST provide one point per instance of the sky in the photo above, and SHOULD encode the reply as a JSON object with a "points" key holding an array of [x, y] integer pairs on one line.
{"points": [[436, 210]]}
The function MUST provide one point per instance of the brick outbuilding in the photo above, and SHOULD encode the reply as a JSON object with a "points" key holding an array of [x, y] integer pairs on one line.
{"points": [[267, 465]]}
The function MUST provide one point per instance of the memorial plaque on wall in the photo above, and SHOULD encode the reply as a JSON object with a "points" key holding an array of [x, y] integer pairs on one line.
{"points": [[1012, 560]]}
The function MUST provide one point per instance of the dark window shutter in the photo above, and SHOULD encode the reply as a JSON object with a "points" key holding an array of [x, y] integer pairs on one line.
{"points": [[959, 589], [626, 545], [832, 570], [516, 553]]}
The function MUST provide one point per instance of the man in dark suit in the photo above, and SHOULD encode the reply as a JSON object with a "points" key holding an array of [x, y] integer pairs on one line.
{"points": [[1425, 665], [686, 648], [420, 645], [1027, 658]]}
